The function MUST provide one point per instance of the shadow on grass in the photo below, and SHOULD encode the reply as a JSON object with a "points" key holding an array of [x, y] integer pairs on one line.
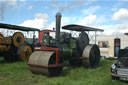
{"points": [[3, 61], [105, 63], [66, 71], [123, 81]]}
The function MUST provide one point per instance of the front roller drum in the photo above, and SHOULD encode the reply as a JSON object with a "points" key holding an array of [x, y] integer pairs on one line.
{"points": [[91, 56], [44, 62]]}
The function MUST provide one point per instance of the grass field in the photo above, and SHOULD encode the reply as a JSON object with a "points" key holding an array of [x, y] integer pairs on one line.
{"points": [[18, 74]]}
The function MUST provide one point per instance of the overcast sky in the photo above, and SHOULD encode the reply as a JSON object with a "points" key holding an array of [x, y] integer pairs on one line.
{"points": [[110, 15]]}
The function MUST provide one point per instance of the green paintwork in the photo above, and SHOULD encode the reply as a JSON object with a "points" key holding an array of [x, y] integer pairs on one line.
{"points": [[67, 53], [72, 43]]}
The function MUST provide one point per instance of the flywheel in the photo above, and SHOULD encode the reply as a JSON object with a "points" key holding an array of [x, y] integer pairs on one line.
{"points": [[83, 40]]}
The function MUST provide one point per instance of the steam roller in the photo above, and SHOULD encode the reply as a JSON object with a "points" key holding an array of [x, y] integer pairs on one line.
{"points": [[49, 58], [14, 48]]}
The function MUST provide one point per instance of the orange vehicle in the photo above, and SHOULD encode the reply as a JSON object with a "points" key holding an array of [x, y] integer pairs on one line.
{"points": [[15, 47]]}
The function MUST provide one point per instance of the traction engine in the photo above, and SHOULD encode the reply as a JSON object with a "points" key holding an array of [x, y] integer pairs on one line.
{"points": [[50, 58]]}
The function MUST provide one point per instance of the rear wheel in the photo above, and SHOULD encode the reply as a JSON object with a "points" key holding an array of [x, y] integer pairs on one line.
{"points": [[92, 56]]}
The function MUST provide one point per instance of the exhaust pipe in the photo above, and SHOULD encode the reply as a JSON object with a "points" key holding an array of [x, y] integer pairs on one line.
{"points": [[58, 24]]}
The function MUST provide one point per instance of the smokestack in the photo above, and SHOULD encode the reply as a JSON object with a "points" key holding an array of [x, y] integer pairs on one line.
{"points": [[58, 24]]}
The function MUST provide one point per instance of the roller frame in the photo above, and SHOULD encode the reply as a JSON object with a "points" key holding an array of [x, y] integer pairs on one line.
{"points": [[50, 49]]}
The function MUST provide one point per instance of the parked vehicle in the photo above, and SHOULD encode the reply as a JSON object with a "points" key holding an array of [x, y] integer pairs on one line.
{"points": [[119, 70]]}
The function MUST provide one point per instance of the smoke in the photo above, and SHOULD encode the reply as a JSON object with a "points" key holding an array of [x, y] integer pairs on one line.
{"points": [[68, 5], [4, 4]]}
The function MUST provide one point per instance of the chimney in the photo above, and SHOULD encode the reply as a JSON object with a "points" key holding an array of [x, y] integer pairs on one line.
{"points": [[58, 24]]}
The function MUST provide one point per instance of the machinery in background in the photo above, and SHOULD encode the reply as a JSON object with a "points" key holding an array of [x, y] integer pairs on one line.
{"points": [[50, 56], [15, 47]]}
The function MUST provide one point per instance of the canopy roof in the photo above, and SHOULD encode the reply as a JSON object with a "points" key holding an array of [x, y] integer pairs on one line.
{"points": [[15, 27], [126, 33], [80, 28]]}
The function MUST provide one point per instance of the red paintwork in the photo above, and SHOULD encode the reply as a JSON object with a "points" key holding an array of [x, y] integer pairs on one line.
{"points": [[81, 57], [41, 34], [50, 49]]}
